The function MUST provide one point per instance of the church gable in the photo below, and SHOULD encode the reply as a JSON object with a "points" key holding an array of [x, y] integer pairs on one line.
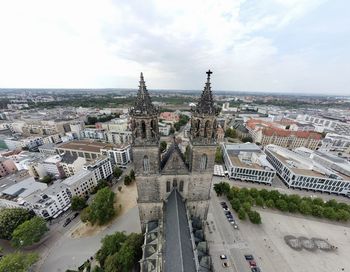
{"points": [[173, 162]]}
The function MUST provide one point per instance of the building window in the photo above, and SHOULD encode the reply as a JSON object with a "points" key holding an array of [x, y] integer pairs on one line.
{"points": [[146, 167], [181, 186], [168, 186], [175, 183], [204, 161]]}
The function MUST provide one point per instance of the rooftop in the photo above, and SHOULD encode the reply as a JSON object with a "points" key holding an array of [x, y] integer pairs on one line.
{"points": [[89, 146], [178, 251], [82, 174]]}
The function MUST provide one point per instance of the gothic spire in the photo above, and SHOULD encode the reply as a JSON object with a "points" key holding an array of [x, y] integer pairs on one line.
{"points": [[143, 103], [206, 104]]}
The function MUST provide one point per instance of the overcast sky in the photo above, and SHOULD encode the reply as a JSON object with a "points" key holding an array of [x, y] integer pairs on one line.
{"points": [[252, 45]]}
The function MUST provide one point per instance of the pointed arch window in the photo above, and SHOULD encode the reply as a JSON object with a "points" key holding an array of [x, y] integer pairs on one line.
{"points": [[143, 129], [146, 166], [181, 188], [204, 162], [168, 186], [207, 129]]}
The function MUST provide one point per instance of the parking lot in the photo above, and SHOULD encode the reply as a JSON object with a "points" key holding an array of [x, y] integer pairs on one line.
{"points": [[267, 244]]}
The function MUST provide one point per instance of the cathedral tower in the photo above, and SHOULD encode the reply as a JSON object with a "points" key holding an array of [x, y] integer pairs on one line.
{"points": [[203, 147], [146, 157]]}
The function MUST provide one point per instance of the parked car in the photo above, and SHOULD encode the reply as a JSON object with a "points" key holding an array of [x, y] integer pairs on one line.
{"points": [[225, 264], [255, 269], [68, 220], [223, 257], [75, 215], [252, 263], [235, 226], [249, 257], [223, 203]]}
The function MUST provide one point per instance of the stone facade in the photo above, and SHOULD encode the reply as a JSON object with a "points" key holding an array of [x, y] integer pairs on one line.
{"points": [[156, 176]]}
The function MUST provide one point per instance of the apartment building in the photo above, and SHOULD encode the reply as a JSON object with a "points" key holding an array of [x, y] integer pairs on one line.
{"points": [[71, 164], [267, 133], [336, 142], [82, 183], [119, 155], [89, 150], [326, 123], [101, 168], [247, 162], [309, 172], [50, 202]]}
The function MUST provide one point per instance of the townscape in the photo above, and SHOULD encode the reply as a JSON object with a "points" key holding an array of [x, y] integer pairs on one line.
{"points": [[73, 176], [174, 136]]}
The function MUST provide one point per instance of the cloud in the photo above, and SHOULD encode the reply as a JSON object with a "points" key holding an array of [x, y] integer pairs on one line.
{"points": [[107, 43]]}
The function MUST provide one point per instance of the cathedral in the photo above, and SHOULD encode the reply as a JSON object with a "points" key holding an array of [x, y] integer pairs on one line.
{"points": [[174, 189]]}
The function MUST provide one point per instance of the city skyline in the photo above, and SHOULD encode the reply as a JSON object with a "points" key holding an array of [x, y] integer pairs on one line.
{"points": [[256, 46]]}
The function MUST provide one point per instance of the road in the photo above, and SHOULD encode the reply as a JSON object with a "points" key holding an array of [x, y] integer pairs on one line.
{"points": [[224, 239], [68, 253]]}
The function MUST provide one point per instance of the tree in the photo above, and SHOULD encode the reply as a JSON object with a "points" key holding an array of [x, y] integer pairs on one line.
{"points": [[343, 215], [172, 130], [254, 217], [132, 175], [78, 203], [18, 262], [318, 201], [282, 205], [219, 156], [305, 208], [247, 139], [259, 201], [221, 188], [120, 188], [84, 215], [264, 194], [270, 203], [162, 146], [127, 180], [29, 232], [101, 209], [117, 172], [317, 210], [254, 192], [129, 254], [231, 133], [242, 214], [275, 195], [292, 207], [236, 204], [47, 179], [10, 219], [247, 206], [329, 213], [110, 245]]}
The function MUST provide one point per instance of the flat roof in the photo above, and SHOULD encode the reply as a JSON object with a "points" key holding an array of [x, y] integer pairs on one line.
{"points": [[89, 146], [83, 173]]}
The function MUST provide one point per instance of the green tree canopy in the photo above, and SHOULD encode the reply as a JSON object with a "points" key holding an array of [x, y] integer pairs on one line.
{"points": [[10, 219], [117, 172], [110, 245], [231, 133], [101, 209], [242, 214], [78, 203], [29, 232], [247, 139], [127, 180], [18, 262], [254, 217]]}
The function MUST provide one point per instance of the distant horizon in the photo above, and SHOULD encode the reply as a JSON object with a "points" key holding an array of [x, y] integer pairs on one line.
{"points": [[285, 93]]}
